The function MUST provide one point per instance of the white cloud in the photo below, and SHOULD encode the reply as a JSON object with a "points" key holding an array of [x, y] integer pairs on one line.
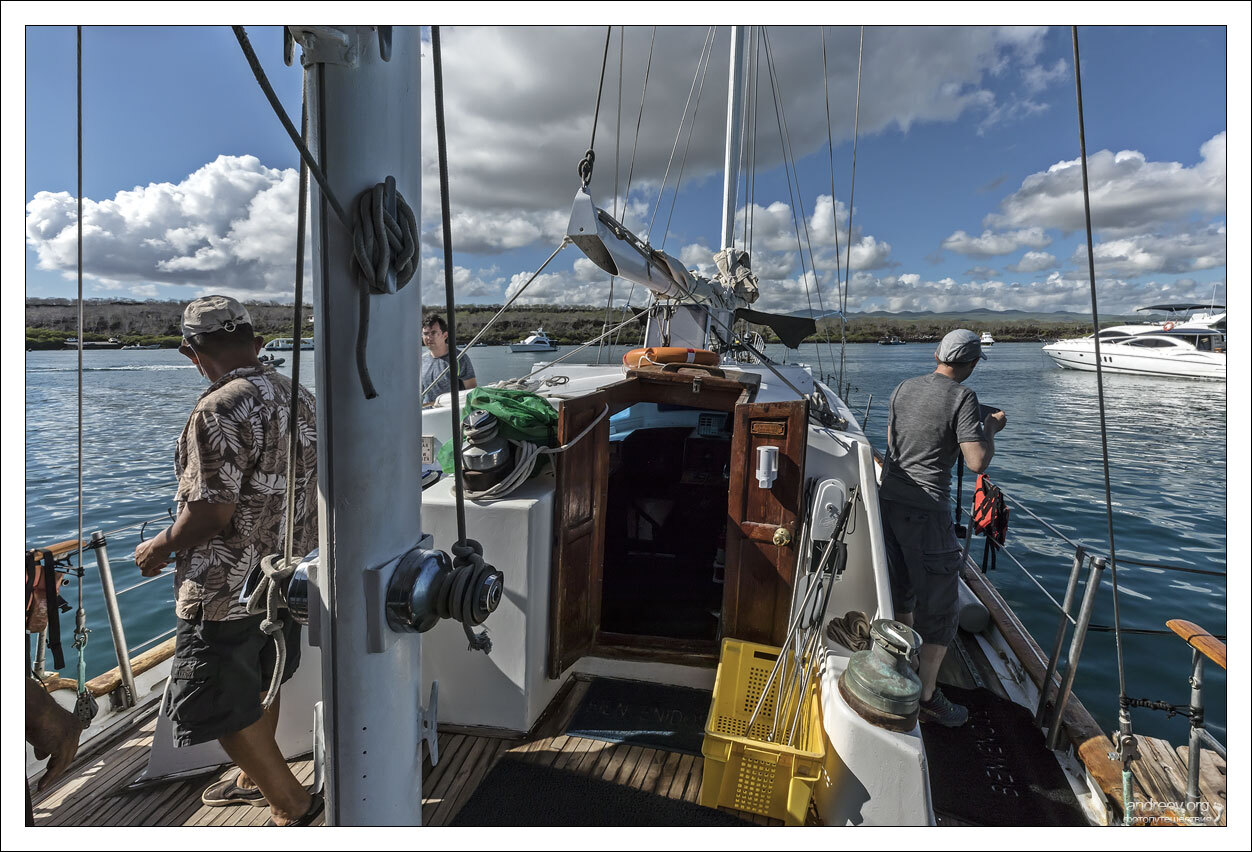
{"points": [[1035, 261], [483, 286], [520, 101], [228, 226], [1038, 77], [1144, 254], [1128, 193], [991, 244], [1055, 292]]}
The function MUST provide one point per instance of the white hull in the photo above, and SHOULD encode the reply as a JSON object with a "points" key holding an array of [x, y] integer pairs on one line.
{"points": [[1118, 358], [531, 347]]}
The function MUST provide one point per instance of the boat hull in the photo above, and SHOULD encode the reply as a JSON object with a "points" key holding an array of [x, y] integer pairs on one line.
{"points": [[1070, 355], [531, 347]]}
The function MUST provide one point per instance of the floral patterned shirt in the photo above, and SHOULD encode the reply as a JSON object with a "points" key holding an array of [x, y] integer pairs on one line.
{"points": [[234, 450]]}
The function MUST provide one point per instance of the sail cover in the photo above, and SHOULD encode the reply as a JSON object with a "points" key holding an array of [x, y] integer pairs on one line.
{"points": [[790, 330]]}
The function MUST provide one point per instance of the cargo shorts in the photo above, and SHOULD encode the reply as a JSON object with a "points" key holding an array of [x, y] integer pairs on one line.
{"points": [[220, 673], [924, 561]]}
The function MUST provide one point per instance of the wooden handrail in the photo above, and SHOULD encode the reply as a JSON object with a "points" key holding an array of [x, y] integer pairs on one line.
{"points": [[62, 548], [1200, 639], [104, 684]]}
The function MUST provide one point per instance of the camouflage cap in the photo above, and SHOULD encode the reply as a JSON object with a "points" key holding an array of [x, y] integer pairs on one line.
{"points": [[208, 314]]}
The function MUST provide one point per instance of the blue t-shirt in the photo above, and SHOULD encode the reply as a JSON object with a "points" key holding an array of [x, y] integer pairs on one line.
{"points": [[432, 366]]}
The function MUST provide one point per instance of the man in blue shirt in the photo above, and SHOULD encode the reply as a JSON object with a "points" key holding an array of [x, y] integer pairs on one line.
{"points": [[436, 377]]}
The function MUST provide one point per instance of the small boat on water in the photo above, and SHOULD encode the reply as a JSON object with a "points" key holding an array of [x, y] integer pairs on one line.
{"points": [[1193, 346], [890, 340], [111, 343], [987, 339], [141, 346], [284, 344], [270, 361], [536, 341]]}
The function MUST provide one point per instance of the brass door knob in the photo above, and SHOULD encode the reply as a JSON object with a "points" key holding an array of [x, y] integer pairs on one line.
{"points": [[782, 537]]}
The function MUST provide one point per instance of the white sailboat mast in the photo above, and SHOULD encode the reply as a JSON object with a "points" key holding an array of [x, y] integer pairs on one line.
{"points": [[734, 101], [365, 125]]}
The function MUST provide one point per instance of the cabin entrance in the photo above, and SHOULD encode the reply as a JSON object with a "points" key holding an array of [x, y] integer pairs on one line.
{"points": [[662, 544], [665, 526]]}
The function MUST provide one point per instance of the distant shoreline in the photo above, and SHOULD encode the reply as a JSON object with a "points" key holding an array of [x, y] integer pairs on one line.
{"points": [[50, 322]]}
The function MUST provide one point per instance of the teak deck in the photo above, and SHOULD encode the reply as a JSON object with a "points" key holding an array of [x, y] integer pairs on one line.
{"points": [[94, 792]]}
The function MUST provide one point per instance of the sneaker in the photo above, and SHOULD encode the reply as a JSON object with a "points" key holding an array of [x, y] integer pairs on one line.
{"points": [[943, 712], [228, 792]]}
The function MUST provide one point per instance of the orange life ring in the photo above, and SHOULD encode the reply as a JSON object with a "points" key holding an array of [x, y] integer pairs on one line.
{"points": [[636, 358], [1169, 326]]}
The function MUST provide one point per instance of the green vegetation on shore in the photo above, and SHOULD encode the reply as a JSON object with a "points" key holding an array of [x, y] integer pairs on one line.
{"points": [[50, 322]]}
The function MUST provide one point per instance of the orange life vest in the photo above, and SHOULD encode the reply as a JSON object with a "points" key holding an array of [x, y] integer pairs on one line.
{"points": [[990, 516]]}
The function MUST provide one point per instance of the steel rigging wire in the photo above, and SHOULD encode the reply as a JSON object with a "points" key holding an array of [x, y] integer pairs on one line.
{"points": [[1125, 740]]}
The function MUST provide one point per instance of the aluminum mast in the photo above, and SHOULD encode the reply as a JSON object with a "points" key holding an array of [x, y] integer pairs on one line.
{"points": [[365, 125]]}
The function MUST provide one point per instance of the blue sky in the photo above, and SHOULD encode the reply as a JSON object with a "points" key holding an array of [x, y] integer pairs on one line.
{"points": [[963, 198]]}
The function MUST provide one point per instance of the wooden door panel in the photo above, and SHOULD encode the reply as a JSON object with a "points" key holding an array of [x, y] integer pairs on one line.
{"points": [[578, 532], [760, 573]]}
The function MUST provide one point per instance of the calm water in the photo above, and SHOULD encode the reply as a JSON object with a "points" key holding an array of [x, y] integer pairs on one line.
{"points": [[1167, 447]]}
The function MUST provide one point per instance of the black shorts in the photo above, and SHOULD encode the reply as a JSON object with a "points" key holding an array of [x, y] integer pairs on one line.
{"points": [[924, 562], [221, 671]]}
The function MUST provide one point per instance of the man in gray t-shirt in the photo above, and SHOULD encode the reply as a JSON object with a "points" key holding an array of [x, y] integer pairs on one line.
{"points": [[930, 420], [436, 377]]}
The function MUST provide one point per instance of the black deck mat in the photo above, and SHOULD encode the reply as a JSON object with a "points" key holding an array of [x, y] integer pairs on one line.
{"points": [[996, 769], [639, 713], [519, 793]]}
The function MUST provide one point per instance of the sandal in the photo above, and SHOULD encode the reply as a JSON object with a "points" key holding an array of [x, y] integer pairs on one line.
{"points": [[228, 792], [316, 805]]}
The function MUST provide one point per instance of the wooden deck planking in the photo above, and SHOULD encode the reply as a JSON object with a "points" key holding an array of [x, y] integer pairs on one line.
{"points": [[95, 794]]}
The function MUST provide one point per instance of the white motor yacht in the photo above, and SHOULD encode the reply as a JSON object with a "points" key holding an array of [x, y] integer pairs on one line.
{"points": [[536, 341], [987, 339], [1191, 343]]}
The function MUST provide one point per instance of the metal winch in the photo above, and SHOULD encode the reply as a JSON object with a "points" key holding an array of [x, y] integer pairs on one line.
{"points": [[879, 683], [487, 455]]}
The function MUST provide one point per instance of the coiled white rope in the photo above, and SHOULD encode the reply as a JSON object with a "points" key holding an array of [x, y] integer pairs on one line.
{"points": [[527, 456]]}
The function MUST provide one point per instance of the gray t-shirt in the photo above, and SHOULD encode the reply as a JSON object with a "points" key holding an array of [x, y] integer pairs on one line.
{"points": [[929, 418], [432, 366]]}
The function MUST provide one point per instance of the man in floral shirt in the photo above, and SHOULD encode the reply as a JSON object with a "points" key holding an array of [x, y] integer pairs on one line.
{"points": [[231, 462]]}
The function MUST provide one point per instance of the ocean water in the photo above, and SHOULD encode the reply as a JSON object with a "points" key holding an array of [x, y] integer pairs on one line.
{"points": [[1167, 449]]}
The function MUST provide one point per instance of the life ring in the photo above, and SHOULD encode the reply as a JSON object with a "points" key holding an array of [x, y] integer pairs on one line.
{"points": [[1169, 326], [637, 358]]}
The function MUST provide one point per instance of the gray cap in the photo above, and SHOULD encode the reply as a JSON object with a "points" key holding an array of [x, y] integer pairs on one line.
{"points": [[213, 313], [960, 347]]}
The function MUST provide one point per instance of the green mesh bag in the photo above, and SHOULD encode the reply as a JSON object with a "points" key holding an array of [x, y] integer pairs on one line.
{"points": [[523, 416]]}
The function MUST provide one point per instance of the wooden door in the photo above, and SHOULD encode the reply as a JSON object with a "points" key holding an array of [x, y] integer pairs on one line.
{"points": [[582, 481], [759, 573]]}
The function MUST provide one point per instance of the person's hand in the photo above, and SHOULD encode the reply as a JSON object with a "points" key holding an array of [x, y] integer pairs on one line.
{"points": [[150, 558], [995, 421]]}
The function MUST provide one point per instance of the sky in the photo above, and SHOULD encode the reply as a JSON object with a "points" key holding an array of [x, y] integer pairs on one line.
{"points": [[966, 191]]}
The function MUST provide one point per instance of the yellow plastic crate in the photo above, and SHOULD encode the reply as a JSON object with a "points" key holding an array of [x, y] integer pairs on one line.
{"points": [[741, 770]]}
